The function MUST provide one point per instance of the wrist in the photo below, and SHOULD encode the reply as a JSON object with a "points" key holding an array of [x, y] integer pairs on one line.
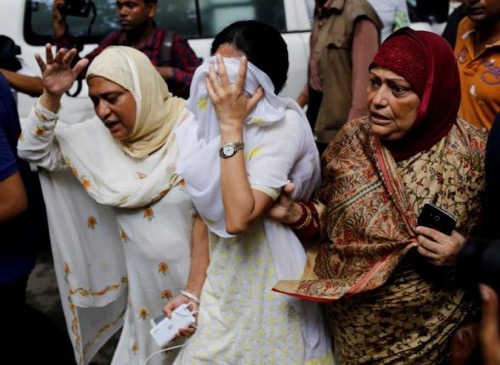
{"points": [[231, 130], [193, 289], [294, 214], [190, 296], [307, 227], [302, 219], [49, 101]]}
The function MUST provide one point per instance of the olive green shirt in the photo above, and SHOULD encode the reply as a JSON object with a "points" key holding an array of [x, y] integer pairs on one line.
{"points": [[334, 50]]}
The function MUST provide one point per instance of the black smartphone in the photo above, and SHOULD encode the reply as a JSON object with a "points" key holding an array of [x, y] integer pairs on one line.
{"points": [[437, 218]]}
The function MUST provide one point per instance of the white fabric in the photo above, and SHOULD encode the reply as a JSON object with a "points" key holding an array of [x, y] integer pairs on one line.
{"points": [[279, 147], [121, 243], [107, 256]]}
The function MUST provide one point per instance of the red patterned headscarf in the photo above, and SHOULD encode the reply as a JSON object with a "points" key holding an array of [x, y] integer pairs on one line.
{"points": [[427, 63]]}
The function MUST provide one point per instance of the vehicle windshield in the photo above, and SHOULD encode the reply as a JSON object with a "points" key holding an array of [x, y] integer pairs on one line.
{"points": [[192, 18]]}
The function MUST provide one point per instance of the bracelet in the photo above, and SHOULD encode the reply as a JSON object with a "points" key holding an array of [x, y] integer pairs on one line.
{"points": [[305, 218], [308, 227], [194, 298], [308, 219]]}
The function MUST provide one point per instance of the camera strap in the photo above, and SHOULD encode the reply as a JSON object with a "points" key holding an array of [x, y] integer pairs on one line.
{"points": [[166, 48]]}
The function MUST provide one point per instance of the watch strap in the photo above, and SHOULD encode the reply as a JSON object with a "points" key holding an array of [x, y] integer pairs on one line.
{"points": [[236, 147]]}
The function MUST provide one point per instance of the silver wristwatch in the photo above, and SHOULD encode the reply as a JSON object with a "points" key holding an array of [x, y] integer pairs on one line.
{"points": [[230, 149]]}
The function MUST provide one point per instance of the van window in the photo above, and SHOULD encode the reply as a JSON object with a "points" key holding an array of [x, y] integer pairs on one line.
{"points": [[192, 18]]}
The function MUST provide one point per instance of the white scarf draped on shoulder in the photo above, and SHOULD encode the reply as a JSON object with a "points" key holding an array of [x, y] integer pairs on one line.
{"points": [[285, 160]]}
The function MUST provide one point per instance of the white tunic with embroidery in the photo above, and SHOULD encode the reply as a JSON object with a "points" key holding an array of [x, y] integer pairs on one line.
{"points": [[108, 258]]}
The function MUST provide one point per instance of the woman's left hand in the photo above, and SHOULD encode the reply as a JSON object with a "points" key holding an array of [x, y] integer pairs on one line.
{"points": [[172, 305], [230, 103], [439, 248]]}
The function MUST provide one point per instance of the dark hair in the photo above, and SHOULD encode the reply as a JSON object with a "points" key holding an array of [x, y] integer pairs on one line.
{"points": [[8, 52], [262, 44]]}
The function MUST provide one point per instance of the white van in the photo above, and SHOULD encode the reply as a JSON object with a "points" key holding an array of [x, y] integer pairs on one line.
{"points": [[29, 24]]}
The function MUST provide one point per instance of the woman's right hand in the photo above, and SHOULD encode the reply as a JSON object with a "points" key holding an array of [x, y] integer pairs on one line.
{"points": [[284, 209], [57, 75], [231, 104]]}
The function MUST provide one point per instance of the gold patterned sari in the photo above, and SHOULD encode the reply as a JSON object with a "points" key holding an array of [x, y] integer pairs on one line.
{"points": [[386, 305]]}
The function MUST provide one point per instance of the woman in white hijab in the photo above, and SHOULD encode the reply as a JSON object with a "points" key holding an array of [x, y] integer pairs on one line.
{"points": [[242, 144], [121, 235]]}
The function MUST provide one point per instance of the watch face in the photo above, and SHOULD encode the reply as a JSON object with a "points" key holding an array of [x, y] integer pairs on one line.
{"points": [[228, 150]]}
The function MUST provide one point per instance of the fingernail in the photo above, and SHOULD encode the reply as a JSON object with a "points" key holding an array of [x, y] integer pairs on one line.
{"points": [[485, 292]]}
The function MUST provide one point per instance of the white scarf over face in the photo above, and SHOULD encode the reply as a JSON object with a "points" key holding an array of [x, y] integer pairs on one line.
{"points": [[199, 143], [107, 168], [199, 162]]}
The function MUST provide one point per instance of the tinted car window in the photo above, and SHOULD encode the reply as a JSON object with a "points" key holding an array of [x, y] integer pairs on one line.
{"points": [[192, 18]]}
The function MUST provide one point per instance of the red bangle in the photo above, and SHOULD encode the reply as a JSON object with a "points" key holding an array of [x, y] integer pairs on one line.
{"points": [[307, 228], [305, 218]]}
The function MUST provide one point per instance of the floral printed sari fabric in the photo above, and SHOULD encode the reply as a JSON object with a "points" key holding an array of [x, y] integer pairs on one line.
{"points": [[388, 305], [369, 260], [372, 208]]}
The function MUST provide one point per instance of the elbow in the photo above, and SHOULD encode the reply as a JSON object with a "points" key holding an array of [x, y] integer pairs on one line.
{"points": [[8, 213], [236, 228], [20, 207]]}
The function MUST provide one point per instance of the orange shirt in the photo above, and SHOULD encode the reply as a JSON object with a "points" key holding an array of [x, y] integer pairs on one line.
{"points": [[479, 78]]}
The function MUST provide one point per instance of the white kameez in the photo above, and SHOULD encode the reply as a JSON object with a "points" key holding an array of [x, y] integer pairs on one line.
{"points": [[121, 244], [241, 321]]}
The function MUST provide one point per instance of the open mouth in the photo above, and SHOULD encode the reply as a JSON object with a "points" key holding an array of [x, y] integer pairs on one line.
{"points": [[378, 115], [112, 125], [379, 118]]}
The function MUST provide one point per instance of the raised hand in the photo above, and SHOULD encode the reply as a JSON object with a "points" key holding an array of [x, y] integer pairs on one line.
{"points": [[230, 103], [57, 74]]}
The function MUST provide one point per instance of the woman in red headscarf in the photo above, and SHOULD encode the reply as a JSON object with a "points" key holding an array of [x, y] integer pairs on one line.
{"points": [[389, 284]]}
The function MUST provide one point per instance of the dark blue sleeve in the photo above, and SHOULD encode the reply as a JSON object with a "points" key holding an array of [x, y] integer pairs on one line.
{"points": [[9, 130], [8, 165]]}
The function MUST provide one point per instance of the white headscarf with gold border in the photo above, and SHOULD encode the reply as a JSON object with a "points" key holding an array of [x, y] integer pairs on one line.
{"points": [[110, 169], [157, 108]]}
